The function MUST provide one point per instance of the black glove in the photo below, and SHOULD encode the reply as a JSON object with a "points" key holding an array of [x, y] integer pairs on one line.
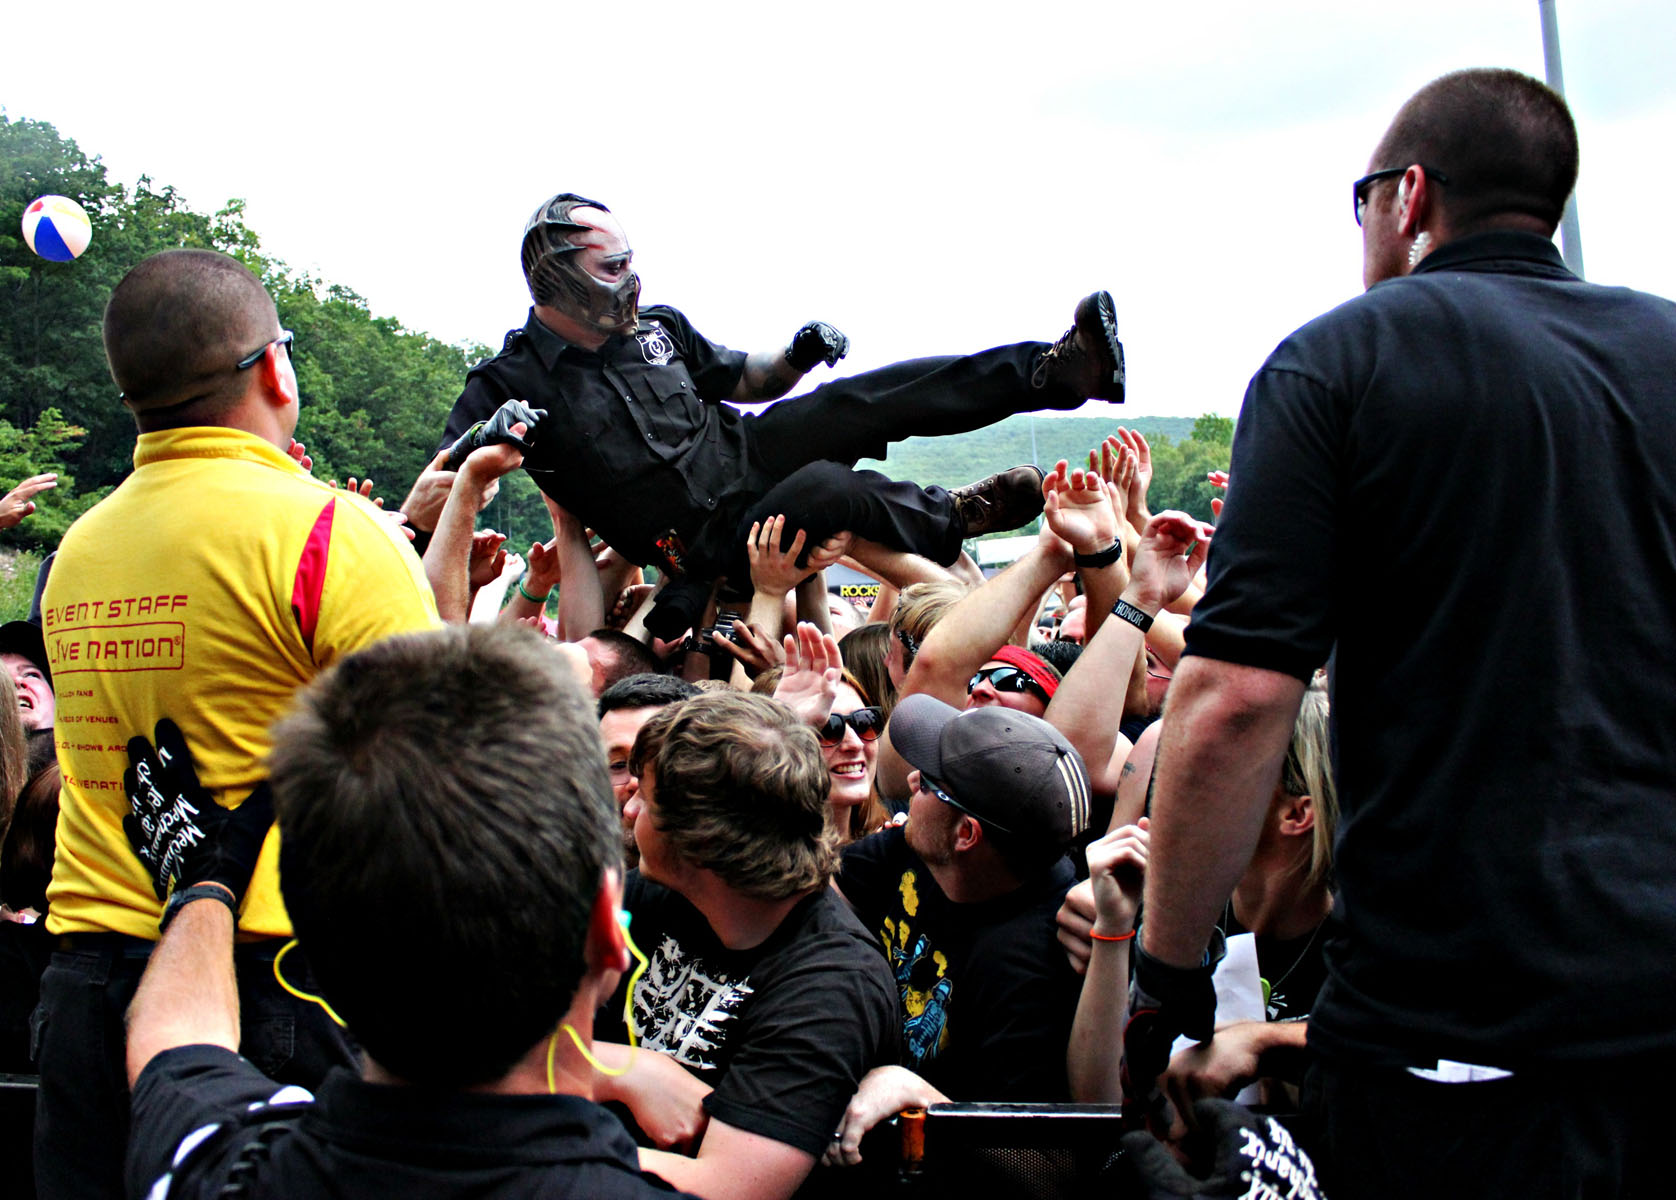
{"points": [[1165, 1003], [178, 830], [816, 342], [496, 430], [1249, 1156]]}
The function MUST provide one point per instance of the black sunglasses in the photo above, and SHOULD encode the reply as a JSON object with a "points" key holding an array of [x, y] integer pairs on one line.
{"points": [[926, 785], [285, 338], [1359, 189], [867, 723], [1006, 679], [910, 647]]}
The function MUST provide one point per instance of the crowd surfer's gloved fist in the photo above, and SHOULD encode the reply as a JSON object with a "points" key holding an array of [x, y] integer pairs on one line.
{"points": [[816, 342], [1165, 1003], [1248, 1155], [497, 430], [176, 828]]}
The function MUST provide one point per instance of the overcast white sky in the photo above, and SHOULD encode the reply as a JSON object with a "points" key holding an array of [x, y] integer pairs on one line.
{"points": [[929, 177]]}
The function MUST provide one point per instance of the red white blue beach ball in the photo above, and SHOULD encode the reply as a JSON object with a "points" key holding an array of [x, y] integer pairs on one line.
{"points": [[56, 228]]}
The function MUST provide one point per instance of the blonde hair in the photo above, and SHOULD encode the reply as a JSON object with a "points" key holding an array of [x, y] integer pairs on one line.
{"points": [[1308, 771], [923, 604]]}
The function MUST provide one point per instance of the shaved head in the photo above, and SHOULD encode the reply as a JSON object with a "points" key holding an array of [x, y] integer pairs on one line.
{"points": [[1505, 141], [176, 325]]}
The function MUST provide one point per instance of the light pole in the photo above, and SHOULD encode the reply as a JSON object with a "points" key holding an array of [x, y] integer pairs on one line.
{"points": [[1571, 238]]}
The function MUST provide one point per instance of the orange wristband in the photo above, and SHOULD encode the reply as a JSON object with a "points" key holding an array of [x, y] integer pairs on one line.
{"points": [[1107, 937]]}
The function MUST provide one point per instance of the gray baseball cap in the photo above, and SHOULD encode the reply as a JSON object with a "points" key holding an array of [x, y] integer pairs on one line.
{"points": [[1006, 768]]}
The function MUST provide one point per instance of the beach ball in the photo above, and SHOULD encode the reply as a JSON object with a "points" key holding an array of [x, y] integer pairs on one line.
{"points": [[56, 228]]}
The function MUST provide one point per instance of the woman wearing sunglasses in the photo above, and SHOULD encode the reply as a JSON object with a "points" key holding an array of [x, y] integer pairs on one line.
{"points": [[848, 731]]}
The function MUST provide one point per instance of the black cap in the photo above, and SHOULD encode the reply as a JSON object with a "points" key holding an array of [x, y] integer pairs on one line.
{"points": [[1001, 765], [24, 637]]}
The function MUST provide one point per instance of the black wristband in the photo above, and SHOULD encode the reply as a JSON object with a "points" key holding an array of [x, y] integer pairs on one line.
{"points": [[1100, 558], [198, 891], [1125, 611]]}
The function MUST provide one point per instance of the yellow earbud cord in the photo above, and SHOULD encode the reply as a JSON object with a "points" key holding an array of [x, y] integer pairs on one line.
{"points": [[552, 1042], [284, 950], [628, 1019]]}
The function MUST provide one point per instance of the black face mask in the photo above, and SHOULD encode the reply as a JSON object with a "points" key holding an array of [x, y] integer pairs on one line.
{"points": [[558, 281]]}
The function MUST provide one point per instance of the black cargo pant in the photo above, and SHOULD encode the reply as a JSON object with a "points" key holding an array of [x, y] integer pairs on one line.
{"points": [[803, 451]]}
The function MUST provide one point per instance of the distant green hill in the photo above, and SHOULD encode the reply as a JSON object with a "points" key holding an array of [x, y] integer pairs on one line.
{"points": [[961, 458]]}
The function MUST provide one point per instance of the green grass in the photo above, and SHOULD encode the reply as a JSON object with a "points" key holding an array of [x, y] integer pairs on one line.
{"points": [[17, 582]]}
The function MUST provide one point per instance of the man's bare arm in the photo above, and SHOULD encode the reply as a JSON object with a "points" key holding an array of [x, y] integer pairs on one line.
{"points": [[187, 996], [734, 1165], [967, 635], [767, 376], [1224, 739], [448, 557], [770, 374]]}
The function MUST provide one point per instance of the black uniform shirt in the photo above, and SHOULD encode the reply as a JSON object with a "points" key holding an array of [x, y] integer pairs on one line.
{"points": [[1463, 484], [200, 1111], [637, 442]]}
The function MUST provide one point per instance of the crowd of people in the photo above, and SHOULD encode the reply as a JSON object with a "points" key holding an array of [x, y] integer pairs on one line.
{"points": [[348, 852]]}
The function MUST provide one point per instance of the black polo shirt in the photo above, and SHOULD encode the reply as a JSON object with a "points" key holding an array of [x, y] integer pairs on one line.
{"points": [[637, 442], [1463, 484], [198, 1111]]}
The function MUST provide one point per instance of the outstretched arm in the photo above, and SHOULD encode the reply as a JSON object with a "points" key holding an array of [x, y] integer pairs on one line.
{"points": [[201, 855], [1117, 870], [968, 634], [770, 374], [188, 995], [448, 557], [1087, 709]]}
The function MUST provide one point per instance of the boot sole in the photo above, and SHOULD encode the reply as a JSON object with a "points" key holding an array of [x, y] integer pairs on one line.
{"points": [[1103, 313]]}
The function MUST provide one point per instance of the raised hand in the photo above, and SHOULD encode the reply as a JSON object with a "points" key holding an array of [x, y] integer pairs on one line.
{"points": [[755, 651], [816, 342], [488, 558], [1172, 549], [1138, 511], [1117, 869], [17, 503], [774, 571], [177, 830], [1078, 508], [513, 423], [813, 671]]}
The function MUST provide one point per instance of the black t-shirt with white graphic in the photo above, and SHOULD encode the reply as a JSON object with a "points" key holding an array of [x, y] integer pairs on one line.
{"points": [[985, 993], [206, 1121], [783, 1031]]}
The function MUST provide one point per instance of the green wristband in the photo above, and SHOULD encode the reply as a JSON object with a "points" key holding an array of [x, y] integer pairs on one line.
{"points": [[541, 599]]}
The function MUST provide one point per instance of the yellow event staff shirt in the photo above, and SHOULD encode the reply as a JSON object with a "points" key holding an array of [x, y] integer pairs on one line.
{"points": [[212, 584]]}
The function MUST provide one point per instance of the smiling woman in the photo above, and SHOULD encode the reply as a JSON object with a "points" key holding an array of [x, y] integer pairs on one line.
{"points": [[850, 747]]}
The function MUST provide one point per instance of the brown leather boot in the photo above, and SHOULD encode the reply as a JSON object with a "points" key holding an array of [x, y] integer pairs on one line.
{"points": [[1004, 501], [1088, 360]]}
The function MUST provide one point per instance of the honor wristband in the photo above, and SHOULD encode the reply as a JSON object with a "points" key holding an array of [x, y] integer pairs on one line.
{"points": [[1101, 558], [1125, 611]]}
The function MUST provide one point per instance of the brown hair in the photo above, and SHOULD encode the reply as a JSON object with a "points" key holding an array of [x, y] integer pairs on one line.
{"points": [[864, 650], [446, 820], [738, 787], [14, 752]]}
